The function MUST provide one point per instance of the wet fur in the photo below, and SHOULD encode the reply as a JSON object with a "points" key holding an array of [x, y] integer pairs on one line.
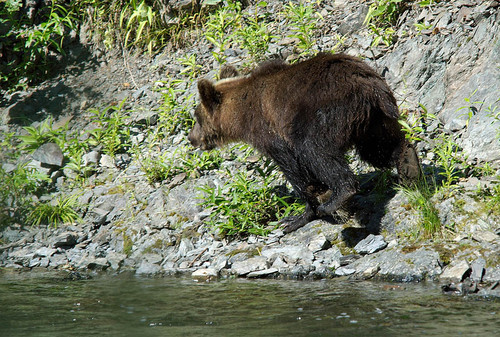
{"points": [[305, 117]]}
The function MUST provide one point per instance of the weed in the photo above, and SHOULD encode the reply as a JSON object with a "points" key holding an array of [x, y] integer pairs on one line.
{"points": [[303, 19], [43, 133], [29, 45], [143, 25], [419, 196], [128, 244], [55, 214], [183, 160], [449, 159], [192, 69], [16, 190], [247, 206], [174, 117], [76, 165], [493, 199], [254, 36], [381, 20], [470, 107], [422, 26], [219, 28], [111, 132], [493, 112], [427, 3]]}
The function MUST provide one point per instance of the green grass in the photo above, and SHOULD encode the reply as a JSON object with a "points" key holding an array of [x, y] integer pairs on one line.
{"points": [[419, 197], [62, 211]]}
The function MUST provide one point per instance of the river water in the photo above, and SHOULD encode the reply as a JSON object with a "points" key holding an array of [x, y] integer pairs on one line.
{"points": [[124, 305]]}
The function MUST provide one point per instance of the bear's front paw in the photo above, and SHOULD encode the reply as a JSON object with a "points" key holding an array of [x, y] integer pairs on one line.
{"points": [[292, 223]]}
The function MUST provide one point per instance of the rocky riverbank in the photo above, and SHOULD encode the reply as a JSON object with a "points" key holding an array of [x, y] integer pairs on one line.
{"points": [[449, 69]]}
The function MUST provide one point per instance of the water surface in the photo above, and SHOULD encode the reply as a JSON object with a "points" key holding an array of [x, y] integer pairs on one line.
{"points": [[124, 305]]}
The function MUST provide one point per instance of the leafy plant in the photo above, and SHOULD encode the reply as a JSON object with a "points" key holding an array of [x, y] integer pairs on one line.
{"points": [[247, 205], [184, 160], [219, 28], [303, 19], [422, 26], [493, 113], [192, 69], [414, 126], [29, 45], [16, 191], [470, 107], [43, 133], [172, 115], [54, 214], [254, 36], [448, 158], [381, 19], [143, 25], [427, 3], [111, 132], [493, 199]]}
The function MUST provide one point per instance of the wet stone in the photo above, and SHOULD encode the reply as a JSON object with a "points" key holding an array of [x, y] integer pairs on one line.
{"points": [[45, 252], [252, 264], [344, 271], [148, 268], [262, 273], [204, 274], [478, 270], [371, 244], [455, 272]]}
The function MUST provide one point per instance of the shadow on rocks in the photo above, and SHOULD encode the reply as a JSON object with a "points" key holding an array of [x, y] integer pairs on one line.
{"points": [[368, 206], [44, 100]]}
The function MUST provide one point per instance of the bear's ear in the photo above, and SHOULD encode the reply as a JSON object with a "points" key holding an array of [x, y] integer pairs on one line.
{"points": [[228, 71], [209, 96]]}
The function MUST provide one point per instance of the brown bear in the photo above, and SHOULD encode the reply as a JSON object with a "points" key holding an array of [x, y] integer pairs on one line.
{"points": [[305, 117]]}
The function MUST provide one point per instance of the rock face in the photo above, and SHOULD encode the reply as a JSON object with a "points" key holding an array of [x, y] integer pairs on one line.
{"points": [[452, 73], [132, 224]]}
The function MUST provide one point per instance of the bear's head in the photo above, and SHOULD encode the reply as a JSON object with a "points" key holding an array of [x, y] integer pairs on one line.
{"points": [[206, 133]]}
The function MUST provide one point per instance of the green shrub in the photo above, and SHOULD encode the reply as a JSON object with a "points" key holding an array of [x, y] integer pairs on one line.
{"points": [[17, 189], [248, 205], [28, 45]]}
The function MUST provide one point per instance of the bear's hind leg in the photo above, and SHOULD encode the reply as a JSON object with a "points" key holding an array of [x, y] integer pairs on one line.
{"points": [[341, 181]]}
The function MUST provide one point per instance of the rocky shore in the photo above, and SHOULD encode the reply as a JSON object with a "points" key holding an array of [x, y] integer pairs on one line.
{"points": [[159, 228]]}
